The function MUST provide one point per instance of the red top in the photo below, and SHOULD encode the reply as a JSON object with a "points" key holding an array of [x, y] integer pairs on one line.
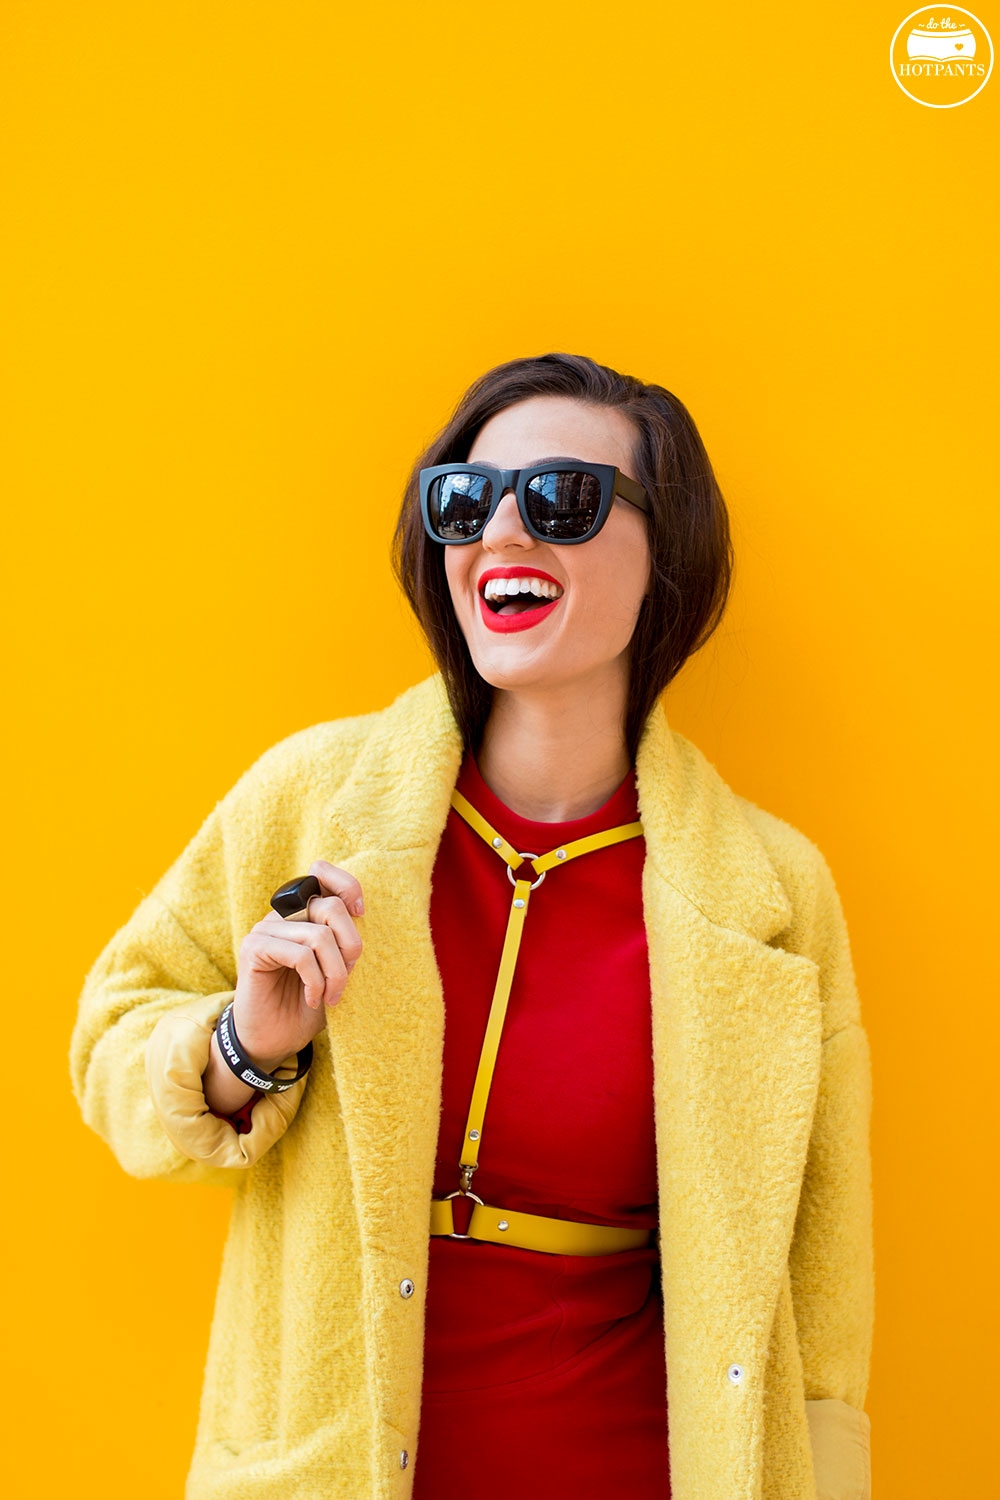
{"points": [[544, 1374]]}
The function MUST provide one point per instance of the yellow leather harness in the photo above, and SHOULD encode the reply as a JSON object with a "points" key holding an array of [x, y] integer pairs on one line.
{"points": [[499, 1225]]}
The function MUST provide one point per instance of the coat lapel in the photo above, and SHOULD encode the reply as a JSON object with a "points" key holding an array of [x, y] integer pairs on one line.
{"points": [[736, 1044], [386, 1036]]}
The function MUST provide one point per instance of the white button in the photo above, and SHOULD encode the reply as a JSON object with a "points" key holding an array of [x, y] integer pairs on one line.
{"points": [[406, 1287], [497, 843], [736, 1374], [404, 1459]]}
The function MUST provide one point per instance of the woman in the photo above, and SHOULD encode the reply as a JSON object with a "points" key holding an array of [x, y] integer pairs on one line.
{"points": [[635, 1096]]}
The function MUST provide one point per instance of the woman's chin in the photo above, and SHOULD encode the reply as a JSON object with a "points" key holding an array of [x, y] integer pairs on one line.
{"points": [[519, 668], [508, 676]]}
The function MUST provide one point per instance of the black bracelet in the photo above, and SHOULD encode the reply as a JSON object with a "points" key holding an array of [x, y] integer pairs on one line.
{"points": [[232, 1050]]}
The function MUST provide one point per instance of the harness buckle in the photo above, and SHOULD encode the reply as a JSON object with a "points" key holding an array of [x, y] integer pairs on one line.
{"points": [[465, 1176]]}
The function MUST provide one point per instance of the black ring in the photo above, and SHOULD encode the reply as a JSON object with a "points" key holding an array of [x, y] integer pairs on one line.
{"points": [[295, 895]]}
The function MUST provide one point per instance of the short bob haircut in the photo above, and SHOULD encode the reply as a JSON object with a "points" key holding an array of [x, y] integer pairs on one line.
{"points": [[689, 540]]}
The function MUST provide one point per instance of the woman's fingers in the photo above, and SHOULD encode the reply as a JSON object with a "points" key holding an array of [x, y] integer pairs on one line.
{"points": [[337, 882], [321, 944], [312, 952], [330, 911], [324, 915]]}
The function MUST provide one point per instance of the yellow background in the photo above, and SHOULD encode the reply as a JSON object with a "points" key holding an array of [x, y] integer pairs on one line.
{"points": [[254, 254]]}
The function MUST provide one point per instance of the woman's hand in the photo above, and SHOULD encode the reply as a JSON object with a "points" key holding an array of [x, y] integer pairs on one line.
{"points": [[289, 973]]}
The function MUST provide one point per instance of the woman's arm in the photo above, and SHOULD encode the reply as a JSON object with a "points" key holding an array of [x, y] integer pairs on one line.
{"points": [[142, 1039]]}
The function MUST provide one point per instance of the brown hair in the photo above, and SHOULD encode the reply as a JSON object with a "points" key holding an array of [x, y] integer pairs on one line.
{"points": [[689, 542]]}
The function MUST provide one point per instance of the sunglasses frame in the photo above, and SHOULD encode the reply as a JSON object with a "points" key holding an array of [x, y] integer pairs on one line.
{"points": [[613, 484]]}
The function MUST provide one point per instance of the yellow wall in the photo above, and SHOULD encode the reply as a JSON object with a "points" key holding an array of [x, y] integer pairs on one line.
{"points": [[254, 253]]}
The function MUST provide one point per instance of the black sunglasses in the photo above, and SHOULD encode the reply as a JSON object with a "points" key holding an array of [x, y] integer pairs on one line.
{"points": [[562, 500]]}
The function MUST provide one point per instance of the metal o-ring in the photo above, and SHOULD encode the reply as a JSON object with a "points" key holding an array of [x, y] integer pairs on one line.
{"points": [[514, 878]]}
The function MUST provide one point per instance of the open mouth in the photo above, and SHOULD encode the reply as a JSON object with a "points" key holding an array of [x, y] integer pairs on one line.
{"points": [[519, 596]]}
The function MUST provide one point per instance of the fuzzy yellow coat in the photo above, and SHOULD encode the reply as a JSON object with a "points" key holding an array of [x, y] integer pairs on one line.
{"points": [[762, 1101]]}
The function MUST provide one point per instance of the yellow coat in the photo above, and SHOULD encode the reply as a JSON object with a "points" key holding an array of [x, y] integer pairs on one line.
{"points": [[762, 1100]]}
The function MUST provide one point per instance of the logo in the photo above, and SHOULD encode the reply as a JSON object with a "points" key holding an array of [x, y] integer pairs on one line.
{"points": [[941, 58]]}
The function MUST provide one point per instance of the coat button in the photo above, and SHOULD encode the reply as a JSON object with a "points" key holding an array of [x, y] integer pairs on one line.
{"points": [[404, 1459], [736, 1374], [406, 1289]]}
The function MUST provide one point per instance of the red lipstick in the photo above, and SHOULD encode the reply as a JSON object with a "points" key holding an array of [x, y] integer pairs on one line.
{"points": [[503, 624], [523, 619]]}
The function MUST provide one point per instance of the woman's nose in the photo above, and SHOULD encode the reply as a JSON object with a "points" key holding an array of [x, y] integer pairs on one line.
{"points": [[505, 527]]}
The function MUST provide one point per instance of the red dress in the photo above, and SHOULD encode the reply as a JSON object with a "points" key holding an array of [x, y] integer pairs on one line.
{"points": [[544, 1374]]}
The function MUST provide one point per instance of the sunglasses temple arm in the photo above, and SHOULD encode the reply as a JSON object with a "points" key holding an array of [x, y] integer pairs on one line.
{"points": [[629, 490]]}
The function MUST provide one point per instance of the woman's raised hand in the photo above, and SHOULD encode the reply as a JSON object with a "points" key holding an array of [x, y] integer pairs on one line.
{"points": [[290, 972]]}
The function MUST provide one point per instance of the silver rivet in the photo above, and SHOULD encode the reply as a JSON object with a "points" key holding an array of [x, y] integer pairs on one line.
{"points": [[404, 1459], [406, 1287], [503, 1224], [473, 1135], [560, 854], [519, 903], [736, 1373], [498, 843]]}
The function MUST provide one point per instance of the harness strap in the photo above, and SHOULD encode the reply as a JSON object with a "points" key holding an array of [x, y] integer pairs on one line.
{"points": [[531, 1231], [502, 1226]]}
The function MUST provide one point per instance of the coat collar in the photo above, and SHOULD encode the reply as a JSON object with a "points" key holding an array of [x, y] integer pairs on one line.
{"points": [[699, 838]]}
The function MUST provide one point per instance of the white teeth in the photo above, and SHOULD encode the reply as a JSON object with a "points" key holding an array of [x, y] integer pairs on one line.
{"points": [[500, 588]]}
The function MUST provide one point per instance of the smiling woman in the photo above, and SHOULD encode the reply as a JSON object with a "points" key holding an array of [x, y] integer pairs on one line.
{"points": [[656, 483], [546, 1094]]}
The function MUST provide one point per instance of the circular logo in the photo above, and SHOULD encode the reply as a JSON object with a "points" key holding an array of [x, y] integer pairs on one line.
{"points": [[941, 58]]}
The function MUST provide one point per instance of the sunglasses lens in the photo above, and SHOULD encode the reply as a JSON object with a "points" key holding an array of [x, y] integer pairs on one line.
{"points": [[458, 505], [564, 505]]}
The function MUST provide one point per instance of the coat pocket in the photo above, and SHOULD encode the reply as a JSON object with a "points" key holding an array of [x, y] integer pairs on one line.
{"points": [[841, 1446]]}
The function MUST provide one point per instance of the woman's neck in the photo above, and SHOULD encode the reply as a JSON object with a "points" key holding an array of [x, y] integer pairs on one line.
{"points": [[557, 754]]}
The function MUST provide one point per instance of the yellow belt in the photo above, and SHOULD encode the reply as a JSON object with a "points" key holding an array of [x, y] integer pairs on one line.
{"points": [[503, 1226]]}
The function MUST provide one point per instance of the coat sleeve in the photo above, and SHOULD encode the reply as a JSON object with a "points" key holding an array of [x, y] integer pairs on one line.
{"points": [[831, 1258], [147, 1011]]}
